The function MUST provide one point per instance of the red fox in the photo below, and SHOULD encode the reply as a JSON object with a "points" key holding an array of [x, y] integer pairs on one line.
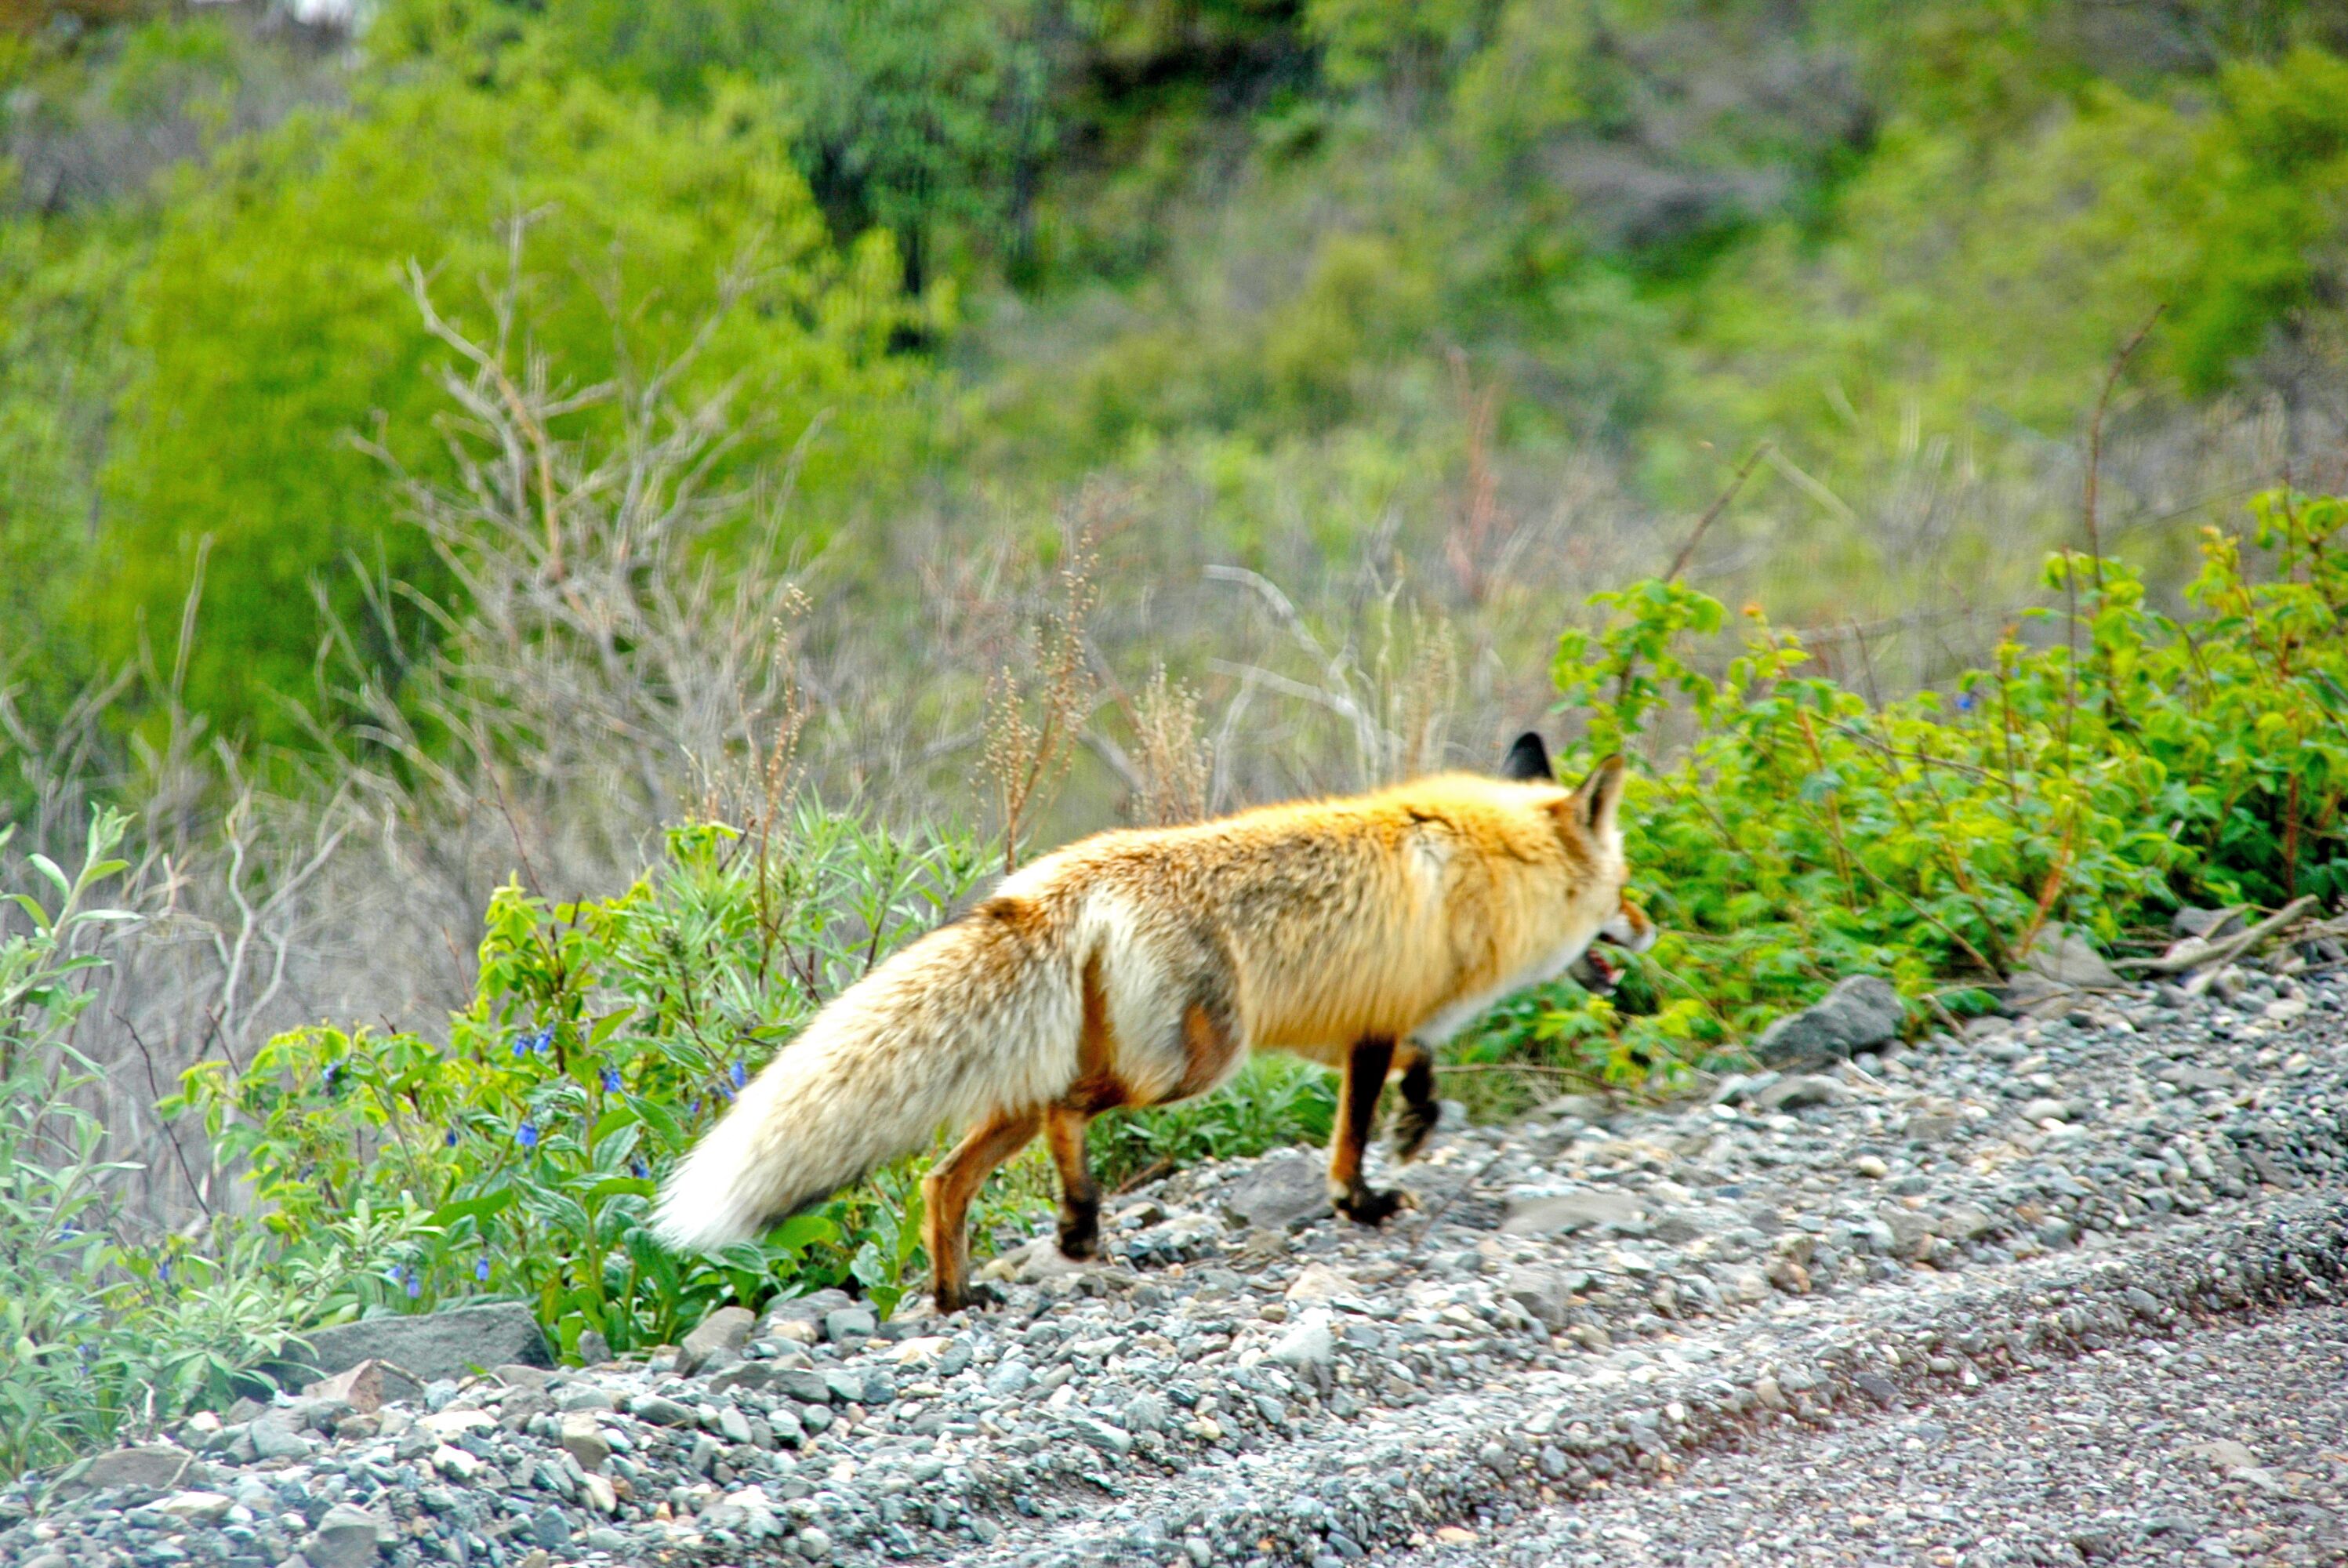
{"points": [[1141, 966]]}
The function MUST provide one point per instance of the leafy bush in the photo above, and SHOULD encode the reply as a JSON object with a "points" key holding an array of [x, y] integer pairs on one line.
{"points": [[2128, 761], [520, 1155], [275, 304], [94, 1331]]}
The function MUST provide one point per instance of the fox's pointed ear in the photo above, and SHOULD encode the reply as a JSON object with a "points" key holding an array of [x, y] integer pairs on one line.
{"points": [[1593, 803], [1528, 760]]}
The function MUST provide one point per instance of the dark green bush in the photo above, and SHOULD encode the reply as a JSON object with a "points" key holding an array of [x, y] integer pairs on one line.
{"points": [[2113, 765], [520, 1156]]}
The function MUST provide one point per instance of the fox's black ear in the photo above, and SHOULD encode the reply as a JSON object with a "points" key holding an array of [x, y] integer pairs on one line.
{"points": [[1528, 759]]}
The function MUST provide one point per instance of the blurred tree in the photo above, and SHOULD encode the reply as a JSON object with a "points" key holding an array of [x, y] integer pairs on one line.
{"points": [[271, 327]]}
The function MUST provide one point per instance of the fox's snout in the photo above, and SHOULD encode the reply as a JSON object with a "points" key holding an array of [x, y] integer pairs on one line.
{"points": [[1629, 928]]}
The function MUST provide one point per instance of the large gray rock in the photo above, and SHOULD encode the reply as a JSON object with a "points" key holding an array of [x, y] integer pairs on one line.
{"points": [[348, 1537], [2209, 924], [1798, 1092], [1573, 1212], [844, 1324], [1543, 1294], [1309, 1349], [156, 1465], [2030, 994], [1859, 1014], [716, 1342], [366, 1387], [275, 1436], [1284, 1189], [804, 1312], [2063, 956], [447, 1344]]}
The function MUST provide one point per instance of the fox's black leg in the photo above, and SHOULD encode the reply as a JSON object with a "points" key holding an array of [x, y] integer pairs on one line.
{"points": [[1079, 1195], [1366, 1076], [1414, 1119]]}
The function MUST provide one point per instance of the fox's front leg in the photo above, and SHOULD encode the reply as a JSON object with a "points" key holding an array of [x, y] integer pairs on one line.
{"points": [[1366, 1076]]}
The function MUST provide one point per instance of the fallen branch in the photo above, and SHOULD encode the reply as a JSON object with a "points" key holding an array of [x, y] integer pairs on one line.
{"points": [[2221, 952]]}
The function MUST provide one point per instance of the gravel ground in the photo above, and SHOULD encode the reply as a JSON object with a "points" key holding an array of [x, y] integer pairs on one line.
{"points": [[2227, 1445], [1588, 1315]]}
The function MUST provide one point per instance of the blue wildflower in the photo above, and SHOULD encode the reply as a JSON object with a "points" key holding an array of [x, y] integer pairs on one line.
{"points": [[639, 1169], [736, 1076], [163, 1273], [414, 1288], [449, 1139], [528, 1135], [399, 1273], [610, 1080], [481, 1268], [1964, 702]]}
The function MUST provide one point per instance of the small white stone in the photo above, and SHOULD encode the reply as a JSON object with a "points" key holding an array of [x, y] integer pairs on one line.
{"points": [[448, 1424], [195, 1507], [455, 1463], [926, 1348]]}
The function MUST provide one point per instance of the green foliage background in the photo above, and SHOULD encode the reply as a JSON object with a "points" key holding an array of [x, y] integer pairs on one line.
{"points": [[1000, 246]]}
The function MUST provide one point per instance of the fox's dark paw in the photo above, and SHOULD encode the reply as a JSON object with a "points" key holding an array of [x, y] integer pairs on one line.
{"points": [[1413, 1126], [1079, 1233], [972, 1298], [1372, 1206]]}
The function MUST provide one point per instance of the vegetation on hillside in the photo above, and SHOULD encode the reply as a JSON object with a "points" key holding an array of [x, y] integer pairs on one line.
{"points": [[709, 483]]}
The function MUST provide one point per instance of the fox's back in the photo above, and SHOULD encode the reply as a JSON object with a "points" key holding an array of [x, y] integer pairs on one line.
{"points": [[1339, 918]]}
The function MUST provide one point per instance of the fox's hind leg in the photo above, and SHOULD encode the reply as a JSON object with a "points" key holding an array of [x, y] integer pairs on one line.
{"points": [[946, 1192], [1064, 1128], [1366, 1076], [1414, 1119]]}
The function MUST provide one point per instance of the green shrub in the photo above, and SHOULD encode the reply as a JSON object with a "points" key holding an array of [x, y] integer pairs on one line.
{"points": [[2103, 775], [270, 332], [96, 1332], [521, 1154]]}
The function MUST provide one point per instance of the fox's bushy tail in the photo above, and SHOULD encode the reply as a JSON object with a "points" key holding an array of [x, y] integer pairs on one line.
{"points": [[980, 1016]]}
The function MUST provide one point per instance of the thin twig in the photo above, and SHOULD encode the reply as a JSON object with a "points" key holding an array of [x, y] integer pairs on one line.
{"points": [[154, 1089], [1711, 513], [2096, 441]]}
